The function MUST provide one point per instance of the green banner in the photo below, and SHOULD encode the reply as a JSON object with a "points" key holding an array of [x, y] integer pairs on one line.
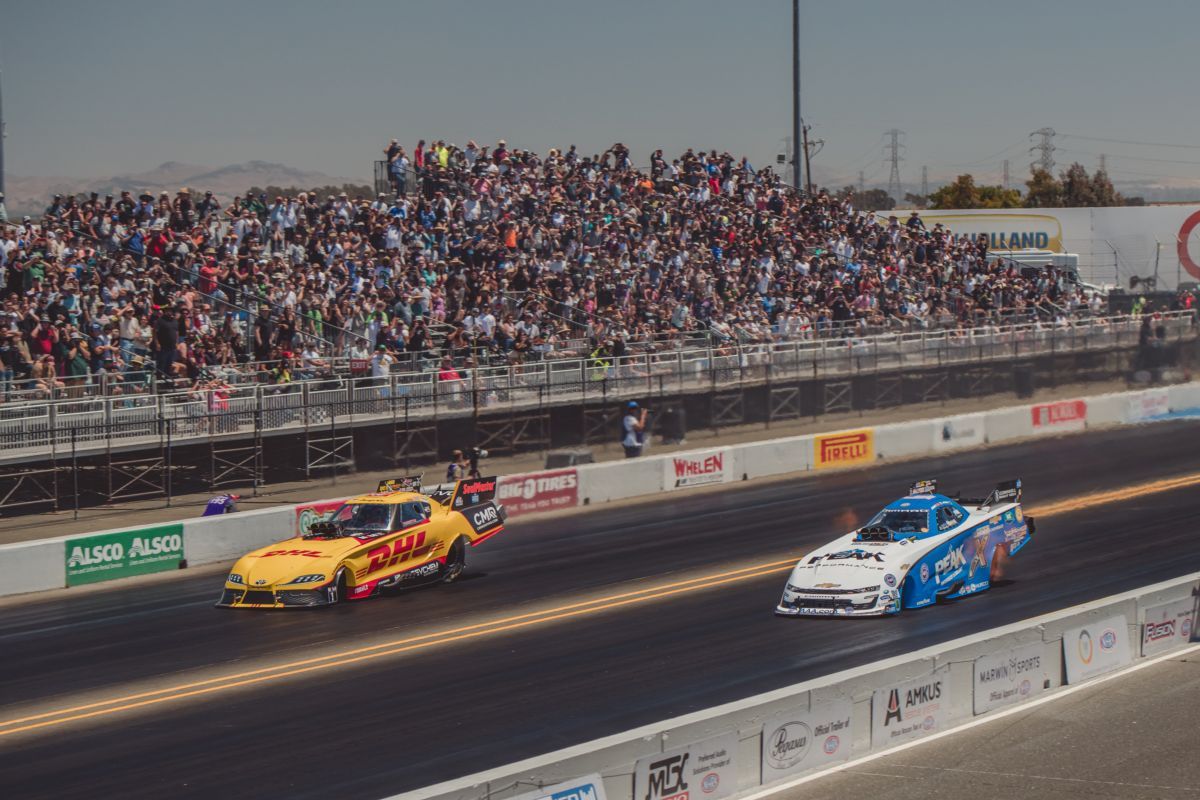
{"points": [[105, 556]]}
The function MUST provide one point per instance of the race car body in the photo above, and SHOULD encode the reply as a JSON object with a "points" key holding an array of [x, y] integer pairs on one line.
{"points": [[394, 537], [920, 548]]}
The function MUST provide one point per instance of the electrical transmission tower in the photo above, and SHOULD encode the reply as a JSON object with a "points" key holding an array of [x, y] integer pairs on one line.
{"points": [[924, 181], [1006, 173], [1103, 163], [892, 151], [862, 183], [1046, 147]]}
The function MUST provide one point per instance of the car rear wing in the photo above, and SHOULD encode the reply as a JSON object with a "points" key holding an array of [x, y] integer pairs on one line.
{"points": [[1007, 492]]}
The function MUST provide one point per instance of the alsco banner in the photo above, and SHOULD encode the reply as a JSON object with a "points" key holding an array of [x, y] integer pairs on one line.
{"points": [[120, 554]]}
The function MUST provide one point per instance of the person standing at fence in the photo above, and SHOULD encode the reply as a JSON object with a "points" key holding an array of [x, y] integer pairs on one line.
{"points": [[166, 342], [634, 428]]}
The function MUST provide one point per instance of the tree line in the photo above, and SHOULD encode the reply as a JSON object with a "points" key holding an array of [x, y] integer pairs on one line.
{"points": [[1073, 188]]}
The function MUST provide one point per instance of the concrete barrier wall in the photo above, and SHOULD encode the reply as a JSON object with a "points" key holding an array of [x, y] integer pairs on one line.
{"points": [[207, 540], [952, 663], [905, 439], [1108, 409], [1184, 398], [37, 566], [1006, 424], [33, 566]]}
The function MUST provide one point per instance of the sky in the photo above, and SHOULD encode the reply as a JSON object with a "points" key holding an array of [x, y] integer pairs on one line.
{"points": [[96, 89]]}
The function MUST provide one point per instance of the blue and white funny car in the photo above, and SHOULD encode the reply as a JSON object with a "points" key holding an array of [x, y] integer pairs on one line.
{"points": [[920, 548]]}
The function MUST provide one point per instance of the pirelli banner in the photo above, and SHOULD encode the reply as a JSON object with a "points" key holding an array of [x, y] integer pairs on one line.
{"points": [[844, 448]]}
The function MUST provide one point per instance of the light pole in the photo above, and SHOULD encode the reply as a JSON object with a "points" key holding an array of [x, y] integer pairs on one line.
{"points": [[797, 124]]}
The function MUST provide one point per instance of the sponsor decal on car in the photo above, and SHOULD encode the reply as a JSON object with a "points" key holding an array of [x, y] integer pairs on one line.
{"points": [[924, 573], [844, 449], [848, 555]]}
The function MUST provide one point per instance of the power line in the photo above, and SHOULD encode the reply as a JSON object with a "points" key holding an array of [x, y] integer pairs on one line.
{"points": [[1128, 157], [1129, 141], [985, 159]]}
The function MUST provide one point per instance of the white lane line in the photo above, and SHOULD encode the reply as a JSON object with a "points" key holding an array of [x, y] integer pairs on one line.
{"points": [[1019, 709]]}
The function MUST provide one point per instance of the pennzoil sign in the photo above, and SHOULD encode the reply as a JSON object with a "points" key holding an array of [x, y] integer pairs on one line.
{"points": [[845, 448]]}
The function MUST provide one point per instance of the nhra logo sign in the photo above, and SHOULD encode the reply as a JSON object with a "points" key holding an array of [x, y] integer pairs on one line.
{"points": [[844, 449], [124, 553]]}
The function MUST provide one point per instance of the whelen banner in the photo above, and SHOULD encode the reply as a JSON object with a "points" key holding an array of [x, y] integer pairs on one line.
{"points": [[1113, 244], [698, 469], [120, 554]]}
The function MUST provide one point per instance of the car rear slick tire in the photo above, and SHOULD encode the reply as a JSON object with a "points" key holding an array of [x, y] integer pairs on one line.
{"points": [[456, 561]]}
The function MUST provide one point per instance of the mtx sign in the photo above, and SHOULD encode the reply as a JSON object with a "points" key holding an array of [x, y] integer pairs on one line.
{"points": [[845, 448], [706, 769], [120, 554]]}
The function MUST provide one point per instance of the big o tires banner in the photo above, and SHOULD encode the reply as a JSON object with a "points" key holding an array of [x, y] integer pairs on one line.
{"points": [[539, 491]]}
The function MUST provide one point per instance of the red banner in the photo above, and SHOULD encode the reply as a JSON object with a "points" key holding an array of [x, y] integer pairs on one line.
{"points": [[1064, 412], [308, 513], [539, 491]]}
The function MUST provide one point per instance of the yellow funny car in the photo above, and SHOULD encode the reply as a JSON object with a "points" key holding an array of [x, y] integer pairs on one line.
{"points": [[396, 537]]}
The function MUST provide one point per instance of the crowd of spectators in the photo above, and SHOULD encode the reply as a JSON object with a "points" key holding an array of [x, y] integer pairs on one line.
{"points": [[476, 255]]}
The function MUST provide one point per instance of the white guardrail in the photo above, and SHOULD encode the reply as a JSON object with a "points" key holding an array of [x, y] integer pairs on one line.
{"points": [[106, 555], [773, 738]]}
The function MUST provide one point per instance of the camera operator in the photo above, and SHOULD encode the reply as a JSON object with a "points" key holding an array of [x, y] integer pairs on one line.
{"points": [[634, 427], [456, 470], [473, 456]]}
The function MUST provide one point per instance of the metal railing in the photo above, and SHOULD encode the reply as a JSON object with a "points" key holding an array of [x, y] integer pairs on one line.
{"points": [[30, 430]]}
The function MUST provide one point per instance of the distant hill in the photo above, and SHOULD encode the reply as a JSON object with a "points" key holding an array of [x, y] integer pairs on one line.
{"points": [[31, 195]]}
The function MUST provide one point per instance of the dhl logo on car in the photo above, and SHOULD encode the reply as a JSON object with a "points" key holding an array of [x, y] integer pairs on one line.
{"points": [[844, 449]]}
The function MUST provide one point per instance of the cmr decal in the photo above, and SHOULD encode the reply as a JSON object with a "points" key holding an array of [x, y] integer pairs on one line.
{"points": [[846, 448]]}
